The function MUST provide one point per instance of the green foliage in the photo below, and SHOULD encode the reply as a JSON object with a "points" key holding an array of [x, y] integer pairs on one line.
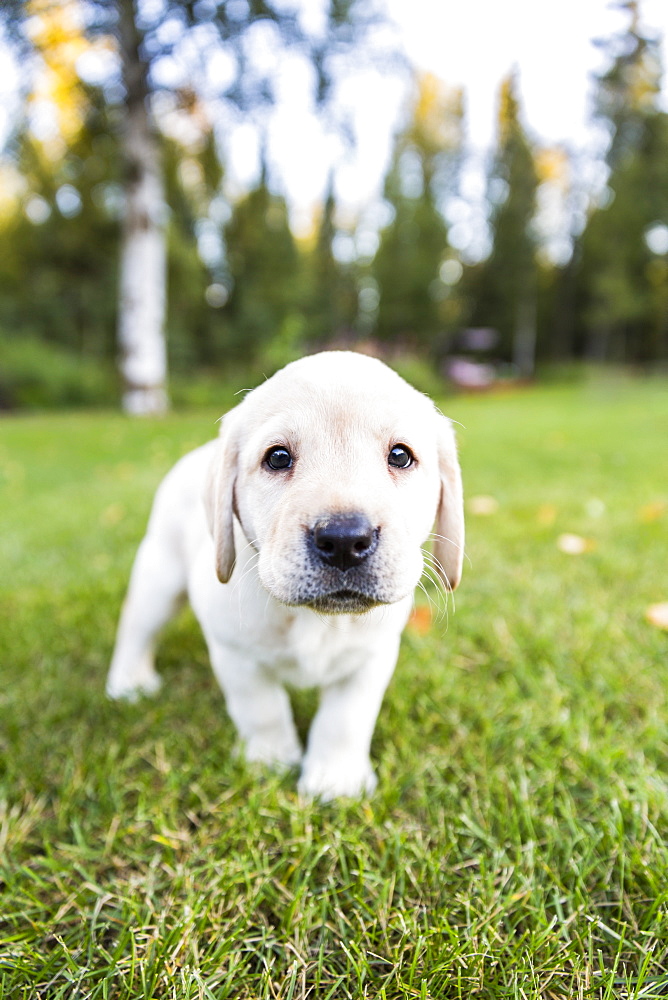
{"points": [[35, 375], [58, 274], [505, 289], [623, 285], [419, 371], [406, 270], [267, 297], [263, 263], [628, 90], [330, 301], [516, 844], [67, 271], [414, 307], [194, 329]]}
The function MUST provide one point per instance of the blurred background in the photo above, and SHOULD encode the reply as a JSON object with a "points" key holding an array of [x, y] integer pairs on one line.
{"points": [[197, 192]]}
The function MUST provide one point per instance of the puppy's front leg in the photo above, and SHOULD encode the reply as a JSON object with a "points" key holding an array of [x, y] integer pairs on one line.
{"points": [[337, 761], [259, 708]]}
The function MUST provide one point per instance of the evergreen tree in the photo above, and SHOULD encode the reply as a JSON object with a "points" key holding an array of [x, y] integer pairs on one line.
{"points": [[414, 245], [264, 267], [193, 181], [504, 287], [622, 281], [58, 248], [330, 293], [628, 90]]}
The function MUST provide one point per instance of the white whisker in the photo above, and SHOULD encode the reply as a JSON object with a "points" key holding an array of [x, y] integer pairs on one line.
{"points": [[432, 603], [441, 605], [248, 568], [433, 571], [433, 535], [437, 565]]}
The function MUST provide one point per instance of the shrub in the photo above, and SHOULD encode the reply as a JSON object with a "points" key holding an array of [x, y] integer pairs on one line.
{"points": [[35, 375]]}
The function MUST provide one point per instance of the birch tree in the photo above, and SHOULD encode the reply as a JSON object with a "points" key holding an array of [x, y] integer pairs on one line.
{"points": [[142, 292]]}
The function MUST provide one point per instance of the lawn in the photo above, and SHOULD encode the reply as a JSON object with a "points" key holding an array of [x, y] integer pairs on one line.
{"points": [[516, 846]]}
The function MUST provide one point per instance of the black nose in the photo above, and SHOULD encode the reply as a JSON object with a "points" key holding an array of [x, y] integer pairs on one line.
{"points": [[344, 540]]}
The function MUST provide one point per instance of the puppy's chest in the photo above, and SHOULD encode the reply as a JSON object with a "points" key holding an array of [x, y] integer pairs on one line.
{"points": [[305, 651]]}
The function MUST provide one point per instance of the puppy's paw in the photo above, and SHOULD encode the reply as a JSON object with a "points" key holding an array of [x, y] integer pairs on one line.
{"points": [[281, 752], [334, 779], [120, 689]]}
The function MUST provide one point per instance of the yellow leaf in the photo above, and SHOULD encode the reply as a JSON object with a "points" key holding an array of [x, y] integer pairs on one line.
{"points": [[112, 515], [165, 841], [547, 514], [552, 165], [657, 614], [58, 33], [653, 511]]}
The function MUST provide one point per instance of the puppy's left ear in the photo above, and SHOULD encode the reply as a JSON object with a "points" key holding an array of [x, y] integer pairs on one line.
{"points": [[219, 499], [449, 537]]}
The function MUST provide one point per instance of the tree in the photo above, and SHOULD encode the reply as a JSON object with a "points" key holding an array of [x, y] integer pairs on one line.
{"points": [[264, 266], [59, 245], [628, 89], [622, 271], [505, 286], [145, 35], [141, 338], [193, 177], [414, 245], [330, 284]]}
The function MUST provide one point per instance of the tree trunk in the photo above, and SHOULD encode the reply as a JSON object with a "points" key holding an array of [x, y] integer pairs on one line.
{"points": [[598, 342], [524, 338], [143, 274]]}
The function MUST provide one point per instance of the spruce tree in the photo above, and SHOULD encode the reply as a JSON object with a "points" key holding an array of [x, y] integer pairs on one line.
{"points": [[505, 287], [414, 245]]}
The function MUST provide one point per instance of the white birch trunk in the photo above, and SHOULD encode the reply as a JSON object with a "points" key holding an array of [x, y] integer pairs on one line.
{"points": [[143, 270]]}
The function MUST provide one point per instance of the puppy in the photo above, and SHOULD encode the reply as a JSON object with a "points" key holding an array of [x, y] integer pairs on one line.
{"points": [[297, 537]]}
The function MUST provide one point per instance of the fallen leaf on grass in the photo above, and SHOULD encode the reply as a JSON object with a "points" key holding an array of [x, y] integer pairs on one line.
{"points": [[575, 545], [482, 506], [547, 514], [652, 511], [113, 515], [420, 620], [657, 614]]}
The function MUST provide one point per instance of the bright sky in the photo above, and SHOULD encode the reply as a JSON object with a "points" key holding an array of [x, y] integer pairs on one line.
{"points": [[476, 43], [469, 43]]}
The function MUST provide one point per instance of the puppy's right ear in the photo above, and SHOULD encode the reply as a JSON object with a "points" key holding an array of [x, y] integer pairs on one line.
{"points": [[219, 499]]}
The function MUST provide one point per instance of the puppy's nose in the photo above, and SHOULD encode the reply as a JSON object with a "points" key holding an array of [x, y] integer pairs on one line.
{"points": [[344, 540]]}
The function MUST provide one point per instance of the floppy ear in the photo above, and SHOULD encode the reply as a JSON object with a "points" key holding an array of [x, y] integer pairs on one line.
{"points": [[219, 499], [449, 539]]}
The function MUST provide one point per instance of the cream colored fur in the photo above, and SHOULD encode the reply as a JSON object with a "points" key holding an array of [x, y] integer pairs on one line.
{"points": [[236, 538]]}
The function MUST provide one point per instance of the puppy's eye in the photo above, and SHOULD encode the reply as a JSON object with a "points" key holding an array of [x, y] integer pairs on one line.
{"points": [[400, 457], [278, 458]]}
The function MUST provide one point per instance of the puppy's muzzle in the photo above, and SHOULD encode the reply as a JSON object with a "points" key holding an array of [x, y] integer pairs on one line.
{"points": [[343, 541]]}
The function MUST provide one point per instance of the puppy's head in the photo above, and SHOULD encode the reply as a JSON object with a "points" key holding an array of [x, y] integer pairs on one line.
{"points": [[337, 470]]}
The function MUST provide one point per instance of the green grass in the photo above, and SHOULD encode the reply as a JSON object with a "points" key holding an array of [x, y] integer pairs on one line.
{"points": [[516, 846]]}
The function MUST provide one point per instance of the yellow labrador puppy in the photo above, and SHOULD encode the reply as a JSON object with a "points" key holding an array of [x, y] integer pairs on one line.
{"points": [[297, 536]]}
